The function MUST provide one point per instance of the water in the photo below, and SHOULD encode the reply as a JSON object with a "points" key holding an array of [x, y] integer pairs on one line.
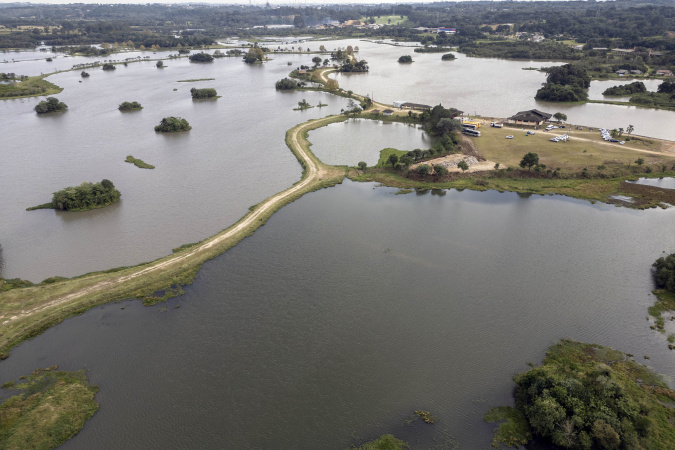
{"points": [[664, 183], [489, 87], [233, 158], [347, 143], [351, 308], [205, 180]]}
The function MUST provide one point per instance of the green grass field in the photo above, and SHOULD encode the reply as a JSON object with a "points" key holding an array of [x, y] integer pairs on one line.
{"points": [[584, 149], [387, 20]]}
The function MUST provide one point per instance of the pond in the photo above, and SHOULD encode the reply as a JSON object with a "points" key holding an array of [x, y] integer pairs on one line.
{"points": [[347, 143]]}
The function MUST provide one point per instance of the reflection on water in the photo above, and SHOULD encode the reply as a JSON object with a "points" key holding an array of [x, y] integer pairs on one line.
{"points": [[664, 183]]}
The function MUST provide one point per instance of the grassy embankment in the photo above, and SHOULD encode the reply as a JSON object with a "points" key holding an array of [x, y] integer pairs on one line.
{"points": [[51, 407], [32, 87], [26, 312]]}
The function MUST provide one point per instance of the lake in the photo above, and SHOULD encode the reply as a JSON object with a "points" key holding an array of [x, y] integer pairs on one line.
{"points": [[351, 308]]}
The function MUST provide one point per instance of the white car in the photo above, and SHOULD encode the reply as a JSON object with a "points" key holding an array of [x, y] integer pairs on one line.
{"points": [[510, 136]]}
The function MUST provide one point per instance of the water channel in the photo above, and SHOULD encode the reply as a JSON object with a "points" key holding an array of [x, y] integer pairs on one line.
{"points": [[350, 308]]}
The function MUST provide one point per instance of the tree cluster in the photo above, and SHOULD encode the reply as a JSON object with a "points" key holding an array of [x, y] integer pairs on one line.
{"points": [[566, 83], [359, 66], [254, 55], [173, 125], [52, 104], [129, 106], [448, 57], [109, 67], [637, 87], [286, 84], [201, 57], [405, 59], [86, 196], [203, 93], [664, 272], [587, 397]]}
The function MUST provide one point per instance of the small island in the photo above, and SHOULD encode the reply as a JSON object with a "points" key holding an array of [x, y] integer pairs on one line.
{"points": [[138, 163], [130, 106], [49, 408], [405, 59], [109, 67], [173, 125], [255, 55], [302, 105], [627, 89], [201, 57], [83, 197], [448, 57], [52, 104], [587, 396], [286, 84], [203, 93]]}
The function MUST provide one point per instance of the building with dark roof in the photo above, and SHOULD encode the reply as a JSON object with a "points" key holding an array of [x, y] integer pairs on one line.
{"points": [[530, 117]]}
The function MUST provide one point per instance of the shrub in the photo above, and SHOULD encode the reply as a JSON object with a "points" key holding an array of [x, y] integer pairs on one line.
{"points": [[173, 125]]}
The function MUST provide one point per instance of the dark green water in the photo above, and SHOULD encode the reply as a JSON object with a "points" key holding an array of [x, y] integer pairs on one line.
{"points": [[351, 308]]}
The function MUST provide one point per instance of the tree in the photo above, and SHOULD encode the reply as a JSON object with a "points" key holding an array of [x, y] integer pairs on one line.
{"points": [[201, 57], [363, 165], [109, 67], [298, 22], [630, 129], [405, 59], [440, 170], [393, 160], [446, 125], [332, 85], [322, 48], [639, 161], [160, 64], [84, 74], [254, 55], [203, 93], [316, 60], [130, 106], [664, 272], [50, 105], [326, 62], [530, 159], [286, 84], [620, 132], [173, 125], [560, 117], [423, 169], [463, 165]]}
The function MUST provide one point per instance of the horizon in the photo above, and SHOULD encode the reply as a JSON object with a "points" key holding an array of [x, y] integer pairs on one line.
{"points": [[273, 3]]}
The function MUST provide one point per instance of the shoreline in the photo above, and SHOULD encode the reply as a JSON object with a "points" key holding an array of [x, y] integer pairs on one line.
{"points": [[27, 312]]}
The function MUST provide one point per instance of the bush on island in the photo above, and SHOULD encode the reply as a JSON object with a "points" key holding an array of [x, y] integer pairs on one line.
{"points": [[173, 125]]}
